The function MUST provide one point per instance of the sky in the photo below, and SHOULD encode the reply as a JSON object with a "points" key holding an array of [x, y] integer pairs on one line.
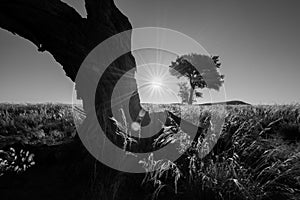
{"points": [[257, 41]]}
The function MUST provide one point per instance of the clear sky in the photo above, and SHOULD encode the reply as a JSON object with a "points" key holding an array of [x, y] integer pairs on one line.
{"points": [[257, 41]]}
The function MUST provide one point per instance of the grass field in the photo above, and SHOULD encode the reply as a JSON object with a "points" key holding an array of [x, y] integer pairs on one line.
{"points": [[257, 155]]}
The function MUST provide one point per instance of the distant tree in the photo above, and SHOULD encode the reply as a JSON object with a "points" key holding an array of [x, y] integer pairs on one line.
{"points": [[183, 92], [200, 70]]}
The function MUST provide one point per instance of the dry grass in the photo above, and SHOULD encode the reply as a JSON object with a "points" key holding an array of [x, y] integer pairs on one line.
{"points": [[256, 157]]}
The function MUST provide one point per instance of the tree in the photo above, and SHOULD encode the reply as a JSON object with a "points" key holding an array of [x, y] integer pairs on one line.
{"points": [[200, 70], [184, 92], [71, 172], [56, 27]]}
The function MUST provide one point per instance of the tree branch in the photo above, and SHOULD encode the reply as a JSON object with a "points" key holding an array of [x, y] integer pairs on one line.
{"points": [[55, 27], [50, 25]]}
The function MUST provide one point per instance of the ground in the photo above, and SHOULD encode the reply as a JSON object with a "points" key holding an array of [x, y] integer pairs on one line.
{"points": [[256, 156]]}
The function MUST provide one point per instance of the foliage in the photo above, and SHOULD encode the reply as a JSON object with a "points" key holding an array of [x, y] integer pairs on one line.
{"points": [[12, 161], [41, 124], [34, 124], [200, 70]]}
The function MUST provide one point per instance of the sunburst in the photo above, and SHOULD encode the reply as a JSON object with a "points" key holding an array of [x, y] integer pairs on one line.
{"points": [[154, 81]]}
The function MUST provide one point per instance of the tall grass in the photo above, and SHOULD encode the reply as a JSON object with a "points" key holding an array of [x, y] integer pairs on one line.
{"points": [[256, 157]]}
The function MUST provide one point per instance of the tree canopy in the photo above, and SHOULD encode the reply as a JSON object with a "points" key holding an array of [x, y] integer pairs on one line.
{"points": [[200, 70]]}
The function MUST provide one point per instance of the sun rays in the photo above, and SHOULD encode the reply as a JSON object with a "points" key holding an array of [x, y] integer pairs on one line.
{"points": [[155, 82]]}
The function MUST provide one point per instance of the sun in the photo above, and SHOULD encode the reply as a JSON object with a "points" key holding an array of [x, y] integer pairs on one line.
{"points": [[156, 83]]}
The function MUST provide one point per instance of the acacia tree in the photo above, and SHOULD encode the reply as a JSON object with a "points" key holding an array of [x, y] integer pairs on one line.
{"points": [[200, 70]]}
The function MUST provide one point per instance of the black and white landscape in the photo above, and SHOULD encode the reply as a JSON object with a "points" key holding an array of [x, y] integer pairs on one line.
{"points": [[87, 114]]}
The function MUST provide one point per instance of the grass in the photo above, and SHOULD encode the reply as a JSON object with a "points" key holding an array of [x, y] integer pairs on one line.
{"points": [[33, 124], [40, 124], [256, 155]]}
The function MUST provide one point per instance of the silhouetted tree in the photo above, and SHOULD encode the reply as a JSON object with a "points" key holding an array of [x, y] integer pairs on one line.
{"points": [[54, 26], [200, 70], [71, 172]]}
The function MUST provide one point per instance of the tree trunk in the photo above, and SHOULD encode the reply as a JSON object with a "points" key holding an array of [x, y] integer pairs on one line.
{"points": [[190, 102], [69, 171]]}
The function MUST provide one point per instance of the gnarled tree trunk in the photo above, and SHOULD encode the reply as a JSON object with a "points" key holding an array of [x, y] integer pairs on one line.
{"points": [[69, 171]]}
